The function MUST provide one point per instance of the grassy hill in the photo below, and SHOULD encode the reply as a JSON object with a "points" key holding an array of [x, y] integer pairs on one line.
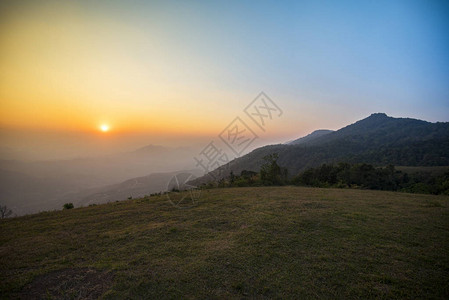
{"points": [[267, 242]]}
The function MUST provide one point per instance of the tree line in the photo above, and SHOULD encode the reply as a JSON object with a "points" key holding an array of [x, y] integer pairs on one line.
{"points": [[340, 175]]}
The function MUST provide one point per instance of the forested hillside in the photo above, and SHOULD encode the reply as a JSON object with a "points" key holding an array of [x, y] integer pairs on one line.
{"points": [[379, 140]]}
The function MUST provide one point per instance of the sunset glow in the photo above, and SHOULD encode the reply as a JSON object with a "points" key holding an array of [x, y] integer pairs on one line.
{"points": [[224, 149], [188, 69], [104, 128]]}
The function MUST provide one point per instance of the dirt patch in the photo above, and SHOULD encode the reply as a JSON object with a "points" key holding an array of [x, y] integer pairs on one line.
{"points": [[80, 283]]}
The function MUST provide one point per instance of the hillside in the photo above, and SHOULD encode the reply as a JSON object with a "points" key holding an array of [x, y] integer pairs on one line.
{"points": [[310, 137], [268, 242], [377, 139], [134, 187]]}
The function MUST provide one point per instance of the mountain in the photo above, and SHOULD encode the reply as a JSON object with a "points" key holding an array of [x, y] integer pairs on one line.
{"points": [[25, 194], [377, 139], [33, 186], [134, 187], [87, 172], [310, 137], [380, 129]]}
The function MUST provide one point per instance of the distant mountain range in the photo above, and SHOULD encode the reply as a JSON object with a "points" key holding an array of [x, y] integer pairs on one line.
{"points": [[377, 139], [134, 187], [28, 187], [32, 186]]}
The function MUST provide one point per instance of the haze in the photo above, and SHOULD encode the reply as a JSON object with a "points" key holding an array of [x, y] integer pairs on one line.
{"points": [[175, 74]]}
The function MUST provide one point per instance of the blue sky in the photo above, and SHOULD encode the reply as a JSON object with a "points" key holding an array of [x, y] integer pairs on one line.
{"points": [[363, 56], [379, 55]]}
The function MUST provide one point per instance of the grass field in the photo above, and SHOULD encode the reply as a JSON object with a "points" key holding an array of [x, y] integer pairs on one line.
{"points": [[267, 242]]}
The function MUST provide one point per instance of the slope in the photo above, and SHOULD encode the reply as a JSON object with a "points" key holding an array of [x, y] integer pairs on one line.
{"points": [[310, 137], [378, 140], [268, 242]]}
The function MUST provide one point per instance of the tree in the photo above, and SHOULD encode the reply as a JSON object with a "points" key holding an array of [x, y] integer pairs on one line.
{"points": [[248, 177], [231, 178], [5, 211], [271, 173], [247, 174]]}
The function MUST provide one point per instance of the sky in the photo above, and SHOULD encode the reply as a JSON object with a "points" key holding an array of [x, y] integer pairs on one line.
{"points": [[178, 72]]}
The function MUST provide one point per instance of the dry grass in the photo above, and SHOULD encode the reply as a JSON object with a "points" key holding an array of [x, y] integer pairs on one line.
{"points": [[267, 242]]}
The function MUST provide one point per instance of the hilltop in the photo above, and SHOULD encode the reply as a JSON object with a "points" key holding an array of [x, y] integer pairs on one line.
{"points": [[267, 242]]}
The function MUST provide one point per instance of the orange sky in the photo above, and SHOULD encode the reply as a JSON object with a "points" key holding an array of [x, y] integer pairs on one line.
{"points": [[78, 71], [63, 67], [172, 70]]}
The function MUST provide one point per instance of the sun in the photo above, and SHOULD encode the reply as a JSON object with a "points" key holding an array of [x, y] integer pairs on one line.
{"points": [[104, 127]]}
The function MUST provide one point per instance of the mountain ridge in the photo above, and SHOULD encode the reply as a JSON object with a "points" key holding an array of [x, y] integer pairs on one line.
{"points": [[310, 137], [378, 139]]}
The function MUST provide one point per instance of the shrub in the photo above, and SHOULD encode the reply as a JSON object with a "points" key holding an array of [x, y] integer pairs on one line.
{"points": [[68, 206]]}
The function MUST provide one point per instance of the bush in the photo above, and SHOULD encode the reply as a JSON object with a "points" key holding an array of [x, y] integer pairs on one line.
{"points": [[68, 206]]}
